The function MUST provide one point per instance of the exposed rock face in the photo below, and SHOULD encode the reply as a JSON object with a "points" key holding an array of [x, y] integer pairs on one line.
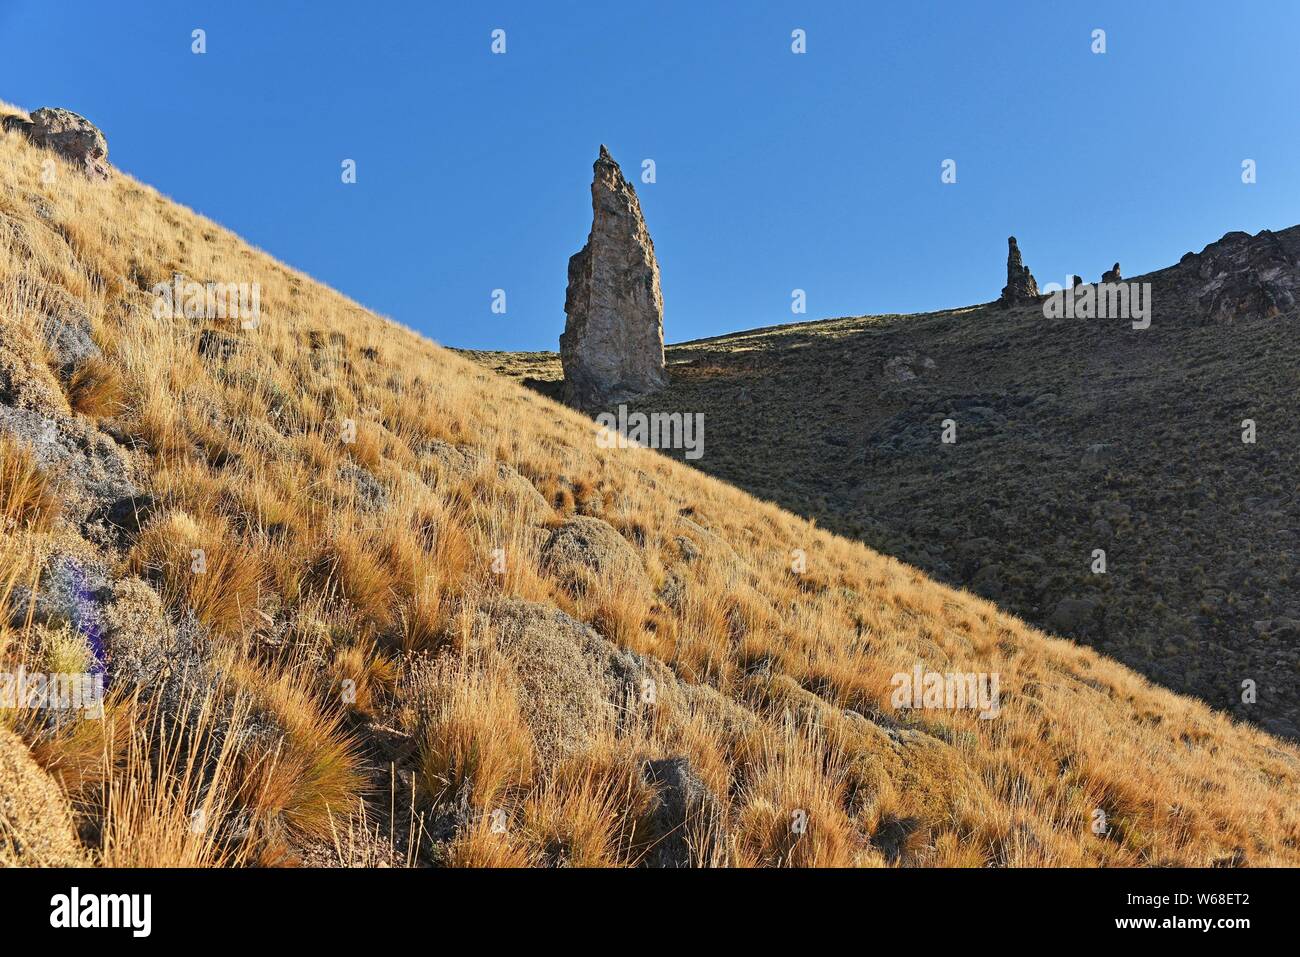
{"points": [[612, 348], [95, 473], [1112, 274], [1021, 286], [906, 367], [70, 135], [1243, 275]]}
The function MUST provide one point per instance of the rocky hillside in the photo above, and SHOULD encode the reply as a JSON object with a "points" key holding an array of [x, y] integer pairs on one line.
{"points": [[1071, 435], [357, 601]]}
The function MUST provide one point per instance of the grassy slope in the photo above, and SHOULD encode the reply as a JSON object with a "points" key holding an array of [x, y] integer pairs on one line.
{"points": [[311, 582]]}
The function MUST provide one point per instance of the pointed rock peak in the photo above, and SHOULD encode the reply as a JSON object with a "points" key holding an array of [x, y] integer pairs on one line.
{"points": [[605, 160], [613, 343], [1021, 286]]}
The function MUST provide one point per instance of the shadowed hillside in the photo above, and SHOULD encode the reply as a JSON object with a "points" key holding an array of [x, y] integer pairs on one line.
{"points": [[356, 600]]}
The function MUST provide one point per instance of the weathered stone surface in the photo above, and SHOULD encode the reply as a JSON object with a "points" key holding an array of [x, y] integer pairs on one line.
{"points": [[91, 469], [906, 367], [69, 592], [1112, 274], [681, 814], [612, 348], [67, 333], [1243, 275], [73, 137], [1021, 286], [572, 683], [587, 550], [368, 493]]}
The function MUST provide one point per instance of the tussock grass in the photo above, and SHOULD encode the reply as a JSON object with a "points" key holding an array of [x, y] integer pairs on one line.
{"points": [[473, 744], [27, 498], [200, 568], [95, 388], [169, 801]]}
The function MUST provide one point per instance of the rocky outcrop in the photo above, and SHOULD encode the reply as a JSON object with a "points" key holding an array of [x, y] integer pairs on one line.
{"points": [[906, 367], [94, 472], [1021, 286], [1112, 274], [70, 135], [1243, 275], [575, 685], [612, 348]]}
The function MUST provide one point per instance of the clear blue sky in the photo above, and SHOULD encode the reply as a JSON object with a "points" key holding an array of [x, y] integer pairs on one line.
{"points": [[775, 171]]}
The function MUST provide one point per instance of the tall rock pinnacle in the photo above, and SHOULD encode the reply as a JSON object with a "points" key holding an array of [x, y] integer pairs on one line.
{"points": [[1020, 286], [612, 348]]}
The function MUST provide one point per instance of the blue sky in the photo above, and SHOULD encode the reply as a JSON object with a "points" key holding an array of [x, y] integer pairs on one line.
{"points": [[775, 171]]}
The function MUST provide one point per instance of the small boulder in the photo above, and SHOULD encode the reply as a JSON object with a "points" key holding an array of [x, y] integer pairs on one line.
{"points": [[1074, 615], [74, 138], [1112, 274], [906, 367], [91, 468], [682, 814], [369, 494], [585, 550], [67, 336]]}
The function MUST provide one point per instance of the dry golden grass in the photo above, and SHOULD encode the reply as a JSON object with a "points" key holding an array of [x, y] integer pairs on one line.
{"points": [[473, 744], [168, 802], [26, 498], [95, 388], [202, 569], [328, 560], [310, 773]]}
